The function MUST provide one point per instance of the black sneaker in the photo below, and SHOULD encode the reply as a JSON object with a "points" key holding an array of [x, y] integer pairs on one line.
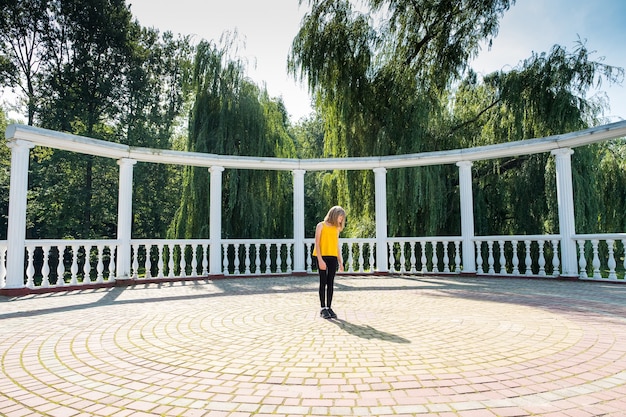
{"points": [[325, 314], [333, 315]]}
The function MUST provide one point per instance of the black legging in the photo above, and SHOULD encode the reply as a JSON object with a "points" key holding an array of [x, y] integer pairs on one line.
{"points": [[327, 280]]}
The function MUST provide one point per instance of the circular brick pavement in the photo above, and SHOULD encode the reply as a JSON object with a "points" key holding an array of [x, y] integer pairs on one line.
{"points": [[244, 347]]}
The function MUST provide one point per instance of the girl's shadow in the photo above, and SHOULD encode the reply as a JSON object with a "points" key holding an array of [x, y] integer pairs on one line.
{"points": [[367, 332]]}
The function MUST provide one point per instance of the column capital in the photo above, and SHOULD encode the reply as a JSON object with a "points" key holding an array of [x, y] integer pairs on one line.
{"points": [[216, 168], [562, 152], [19, 143], [464, 164], [298, 172], [380, 170], [126, 161]]}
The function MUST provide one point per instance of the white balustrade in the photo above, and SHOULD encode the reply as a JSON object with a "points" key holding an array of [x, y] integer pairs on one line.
{"points": [[58, 263], [258, 257], [173, 259], [405, 252], [533, 252], [48, 261], [600, 252]]}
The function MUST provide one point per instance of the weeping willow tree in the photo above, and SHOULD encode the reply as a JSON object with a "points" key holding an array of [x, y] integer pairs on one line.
{"points": [[546, 95], [380, 84], [233, 116], [399, 83]]}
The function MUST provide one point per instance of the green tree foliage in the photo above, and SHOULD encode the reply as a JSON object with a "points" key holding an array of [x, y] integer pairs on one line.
{"points": [[232, 116], [99, 74], [545, 95], [23, 27], [382, 90], [155, 98], [394, 79]]}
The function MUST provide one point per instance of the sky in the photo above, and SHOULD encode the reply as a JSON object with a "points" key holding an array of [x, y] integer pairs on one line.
{"points": [[268, 27]]}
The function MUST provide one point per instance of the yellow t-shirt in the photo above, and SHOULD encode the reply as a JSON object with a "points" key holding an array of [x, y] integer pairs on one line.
{"points": [[329, 241]]}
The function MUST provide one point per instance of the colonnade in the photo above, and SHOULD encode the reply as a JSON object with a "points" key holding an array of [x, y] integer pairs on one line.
{"points": [[20, 152]]}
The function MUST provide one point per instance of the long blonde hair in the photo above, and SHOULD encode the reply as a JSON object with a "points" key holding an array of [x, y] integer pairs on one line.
{"points": [[332, 217]]}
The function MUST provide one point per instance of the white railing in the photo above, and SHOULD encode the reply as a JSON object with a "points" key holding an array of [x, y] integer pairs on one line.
{"points": [[169, 258], [257, 257], [598, 255], [359, 255], [425, 255], [88, 262], [60, 263], [536, 255]]}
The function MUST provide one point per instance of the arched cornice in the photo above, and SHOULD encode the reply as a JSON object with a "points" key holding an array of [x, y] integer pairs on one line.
{"points": [[81, 144]]}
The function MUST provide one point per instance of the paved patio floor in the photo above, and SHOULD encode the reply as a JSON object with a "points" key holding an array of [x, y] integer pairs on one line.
{"points": [[401, 346]]}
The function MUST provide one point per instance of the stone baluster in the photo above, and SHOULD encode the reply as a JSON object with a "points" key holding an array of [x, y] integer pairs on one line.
{"points": [[350, 259], [225, 259], [413, 259], [611, 262], [555, 258], [74, 267], [288, 260], [446, 256], [528, 262], [435, 258], [596, 259], [100, 264], [86, 264], [148, 263], [479, 257], [30, 269], [134, 273], [423, 258], [61, 267], [205, 259], [170, 261], [582, 260], [490, 259], [45, 268], [161, 272], [502, 259], [279, 260], [268, 258], [402, 247], [182, 263], [391, 261], [515, 260], [542, 259], [194, 260], [247, 259], [257, 258], [361, 268]]}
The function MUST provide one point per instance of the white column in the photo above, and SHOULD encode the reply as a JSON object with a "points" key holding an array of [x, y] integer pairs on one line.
{"points": [[124, 218], [467, 216], [16, 233], [380, 182], [215, 221], [565, 199], [298, 221]]}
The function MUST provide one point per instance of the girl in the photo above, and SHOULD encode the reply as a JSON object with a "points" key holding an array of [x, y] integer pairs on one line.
{"points": [[328, 255]]}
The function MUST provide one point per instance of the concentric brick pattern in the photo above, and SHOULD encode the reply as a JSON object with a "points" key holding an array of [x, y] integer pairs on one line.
{"points": [[257, 347]]}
